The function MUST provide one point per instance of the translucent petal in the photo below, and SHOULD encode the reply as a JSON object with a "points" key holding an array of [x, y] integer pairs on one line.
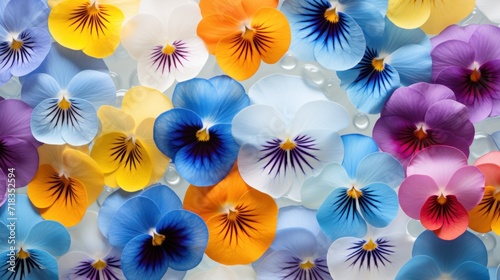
{"points": [[419, 267], [26, 219], [380, 168], [93, 86], [20, 155], [39, 87], [378, 204], [141, 32], [49, 236], [109, 208], [164, 197], [317, 188], [356, 147], [142, 103]]}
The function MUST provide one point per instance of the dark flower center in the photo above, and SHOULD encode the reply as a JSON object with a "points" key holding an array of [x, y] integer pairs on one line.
{"points": [[421, 134], [475, 75]]}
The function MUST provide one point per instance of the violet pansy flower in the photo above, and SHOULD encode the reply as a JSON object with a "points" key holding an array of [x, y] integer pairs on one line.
{"points": [[420, 116], [467, 60], [18, 148]]}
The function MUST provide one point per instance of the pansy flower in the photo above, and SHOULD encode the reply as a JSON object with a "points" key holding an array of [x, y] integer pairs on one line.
{"points": [[65, 92], [241, 221], [162, 37], [485, 217], [155, 233], [242, 33], [17, 146], [420, 116], [125, 149], [24, 39], [356, 193], [462, 258], [67, 182], [289, 134], [467, 60], [431, 16], [90, 255], [299, 249], [333, 32], [92, 26], [398, 57], [377, 255], [439, 189], [3, 187], [196, 134], [31, 252]]}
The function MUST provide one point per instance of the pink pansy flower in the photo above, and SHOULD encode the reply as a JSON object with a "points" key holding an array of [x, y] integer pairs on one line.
{"points": [[439, 190]]}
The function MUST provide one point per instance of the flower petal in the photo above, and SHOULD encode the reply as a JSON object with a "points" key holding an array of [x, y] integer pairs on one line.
{"points": [[16, 116], [213, 27], [378, 204], [141, 32], [485, 214], [452, 53], [86, 237], [419, 267], [49, 236], [413, 64], [38, 87], [34, 14], [467, 184], [414, 192], [20, 155], [135, 217], [300, 241], [356, 147], [450, 254], [444, 13], [237, 56], [198, 95], [164, 197], [272, 34], [109, 208], [25, 219], [317, 188], [408, 14], [94, 86], [39, 265], [338, 216], [186, 238], [142, 103], [320, 114], [448, 220], [232, 98], [470, 269], [142, 260], [388, 170]]}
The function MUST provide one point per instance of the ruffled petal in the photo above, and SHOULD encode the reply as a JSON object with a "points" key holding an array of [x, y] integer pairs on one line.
{"points": [[356, 147], [317, 188], [135, 217], [20, 155], [142, 260], [339, 216], [378, 204], [450, 254], [142, 103], [81, 25], [35, 46], [205, 163], [448, 220], [414, 192], [49, 236], [93, 86], [186, 238], [388, 170]]}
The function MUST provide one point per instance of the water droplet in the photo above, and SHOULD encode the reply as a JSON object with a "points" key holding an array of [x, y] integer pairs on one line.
{"points": [[11, 89], [415, 228], [104, 194], [119, 97], [171, 176], [489, 240], [288, 61], [116, 79], [361, 120], [313, 74], [483, 143]]}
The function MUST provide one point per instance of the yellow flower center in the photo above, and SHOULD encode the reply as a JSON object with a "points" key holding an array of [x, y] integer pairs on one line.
{"points": [[354, 193], [93, 9], [248, 34], [64, 104], [420, 133], [441, 199], [168, 49], [16, 45], [99, 264], [232, 215], [307, 265], [370, 245], [475, 75], [378, 64], [202, 135], [288, 145], [331, 15], [158, 239], [23, 254]]}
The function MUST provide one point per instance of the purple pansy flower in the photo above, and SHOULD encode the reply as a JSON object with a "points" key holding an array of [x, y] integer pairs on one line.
{"points": [[18, 147], [467, 60], [420, 116]]}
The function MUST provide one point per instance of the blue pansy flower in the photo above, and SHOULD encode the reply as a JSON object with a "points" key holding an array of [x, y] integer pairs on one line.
{"points": [[156, 234], [196, 134], [299, 250], [398, 57], [36, 242], [359, 191], [65, 92], [24, 38], [333, 32], [463, 258]]}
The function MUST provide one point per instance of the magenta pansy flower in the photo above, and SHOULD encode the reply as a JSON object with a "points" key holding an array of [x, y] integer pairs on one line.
{"points": [[420, 116], [439, 190], [18, 147], [467, 60]]}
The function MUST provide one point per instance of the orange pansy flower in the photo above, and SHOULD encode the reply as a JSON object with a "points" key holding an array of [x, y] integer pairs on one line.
{"points": [[241, 220], [241, 33]]}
